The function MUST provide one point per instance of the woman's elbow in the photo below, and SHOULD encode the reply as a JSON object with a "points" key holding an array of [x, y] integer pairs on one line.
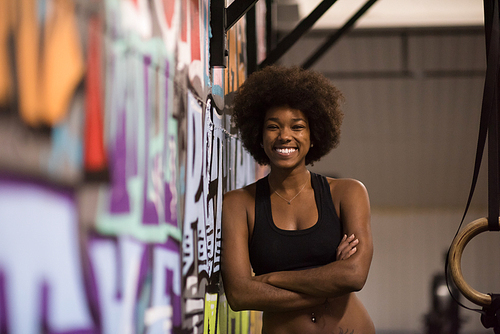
{"points": [[357, 283], [357, 279], [235, 301]]}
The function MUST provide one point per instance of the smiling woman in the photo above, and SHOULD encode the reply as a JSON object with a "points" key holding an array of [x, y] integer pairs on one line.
{"points": [[306, 237]]}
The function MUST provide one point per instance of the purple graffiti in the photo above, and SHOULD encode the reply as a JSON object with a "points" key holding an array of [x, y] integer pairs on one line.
{"points": [[4, 325], [120, 202], [45, 309], [149, 213]]}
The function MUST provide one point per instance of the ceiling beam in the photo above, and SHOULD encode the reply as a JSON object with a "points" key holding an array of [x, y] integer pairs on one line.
{"points": [[287, 42], [336, 36], [236, 10]]}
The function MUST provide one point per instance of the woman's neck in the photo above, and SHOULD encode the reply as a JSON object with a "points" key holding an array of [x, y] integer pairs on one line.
{"points": [[283, 179]]}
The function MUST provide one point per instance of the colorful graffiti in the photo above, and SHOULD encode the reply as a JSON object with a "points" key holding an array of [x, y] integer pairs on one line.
{"points": [[117, 148]]}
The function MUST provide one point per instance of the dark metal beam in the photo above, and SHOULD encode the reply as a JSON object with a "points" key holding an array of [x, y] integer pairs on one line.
{"points": [[334, 38], [301, 29], [270, 33], [221, 20], [236, 10], [251, 31], [218, 39]]}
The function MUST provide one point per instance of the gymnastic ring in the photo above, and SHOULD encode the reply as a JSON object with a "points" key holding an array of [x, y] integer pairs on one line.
{"points": [[455, 258]]}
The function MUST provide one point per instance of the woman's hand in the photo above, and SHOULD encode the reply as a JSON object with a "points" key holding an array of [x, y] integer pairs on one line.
{"points": [[347, 247]]}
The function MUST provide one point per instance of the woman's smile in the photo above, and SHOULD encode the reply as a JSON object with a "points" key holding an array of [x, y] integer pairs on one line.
{"points": [[285, 151]]}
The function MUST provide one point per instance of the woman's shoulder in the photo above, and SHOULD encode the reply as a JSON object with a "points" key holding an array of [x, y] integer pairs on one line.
{"points": [[345, 186], [241, 195], [344, 182]]}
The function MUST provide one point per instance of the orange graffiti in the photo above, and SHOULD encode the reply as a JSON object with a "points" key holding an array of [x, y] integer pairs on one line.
{"points": [[94, 153], [168, 11], [47, 72]]}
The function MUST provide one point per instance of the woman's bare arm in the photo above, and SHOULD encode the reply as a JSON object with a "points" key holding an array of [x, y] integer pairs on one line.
{"points": [[339, 277], [244, 291]]}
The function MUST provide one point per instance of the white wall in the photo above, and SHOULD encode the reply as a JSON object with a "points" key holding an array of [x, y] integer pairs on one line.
{"points": [[409, 247]]}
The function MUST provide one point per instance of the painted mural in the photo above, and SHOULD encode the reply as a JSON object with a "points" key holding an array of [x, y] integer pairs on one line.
{"points": [[116, 150]]}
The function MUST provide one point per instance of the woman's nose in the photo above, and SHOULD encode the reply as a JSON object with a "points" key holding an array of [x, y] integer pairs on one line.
{"points": [[285, 134]]}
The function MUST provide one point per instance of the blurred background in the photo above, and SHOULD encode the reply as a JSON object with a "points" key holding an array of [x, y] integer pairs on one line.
{"points": [[116, 146]]}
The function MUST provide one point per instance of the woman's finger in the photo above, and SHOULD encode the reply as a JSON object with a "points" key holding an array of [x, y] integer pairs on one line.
{"points": [[347, 247], [350, 253], [342, 244]]}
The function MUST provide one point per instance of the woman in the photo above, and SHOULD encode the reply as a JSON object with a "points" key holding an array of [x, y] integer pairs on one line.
{"points": [[306, 237]]}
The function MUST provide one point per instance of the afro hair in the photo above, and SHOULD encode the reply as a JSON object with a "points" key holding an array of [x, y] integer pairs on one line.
{"points": [[297, 88]]}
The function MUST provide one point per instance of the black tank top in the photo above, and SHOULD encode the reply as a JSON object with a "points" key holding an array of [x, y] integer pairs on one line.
{"points": [[273, 249]]}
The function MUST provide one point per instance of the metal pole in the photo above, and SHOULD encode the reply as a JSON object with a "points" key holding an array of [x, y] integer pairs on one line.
{"points": [[348, 25]]}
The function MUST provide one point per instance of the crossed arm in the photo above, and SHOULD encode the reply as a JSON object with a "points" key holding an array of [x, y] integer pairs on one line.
{"points": [[294, 290]]}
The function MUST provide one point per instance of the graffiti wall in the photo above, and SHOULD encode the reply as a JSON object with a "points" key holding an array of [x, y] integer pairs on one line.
{"points": [[116, 148]]}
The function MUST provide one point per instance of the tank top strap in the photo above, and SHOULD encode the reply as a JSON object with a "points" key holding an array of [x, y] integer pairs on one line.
{"points": [[323, 195], [261, 194], [261, 205]]}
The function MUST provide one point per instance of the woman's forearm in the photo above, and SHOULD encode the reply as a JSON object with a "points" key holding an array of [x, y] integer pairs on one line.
{"points": [[332, 280], [257, 295]]}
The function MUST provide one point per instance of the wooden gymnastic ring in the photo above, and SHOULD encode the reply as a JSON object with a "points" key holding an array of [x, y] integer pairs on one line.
{"points": [[455, 258]]}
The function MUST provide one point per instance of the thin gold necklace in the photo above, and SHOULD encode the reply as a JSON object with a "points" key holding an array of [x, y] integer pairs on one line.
{"points": [[288, 201]]}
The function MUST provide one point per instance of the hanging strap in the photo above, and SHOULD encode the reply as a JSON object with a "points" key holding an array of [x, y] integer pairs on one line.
{"points": [[493, 154], [488, 122], [489, 117]]}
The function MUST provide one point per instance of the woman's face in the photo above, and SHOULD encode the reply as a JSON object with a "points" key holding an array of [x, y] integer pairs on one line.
{"points": [[286, 137]]}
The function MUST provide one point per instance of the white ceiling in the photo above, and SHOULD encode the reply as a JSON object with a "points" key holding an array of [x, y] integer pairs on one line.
{"points": [[397, 13]]}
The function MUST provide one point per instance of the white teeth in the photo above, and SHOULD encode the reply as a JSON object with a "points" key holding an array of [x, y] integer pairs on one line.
{"points": [[285, 150]]}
